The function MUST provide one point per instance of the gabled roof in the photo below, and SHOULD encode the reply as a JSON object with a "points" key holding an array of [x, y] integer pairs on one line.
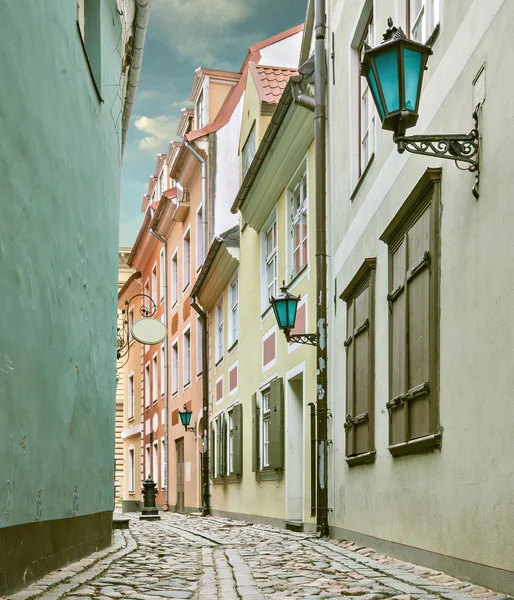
{"points": [[270, 81]]}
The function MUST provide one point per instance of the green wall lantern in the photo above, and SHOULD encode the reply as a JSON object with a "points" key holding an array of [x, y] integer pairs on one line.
{"points": [[185, 418], [394, 71], [285, 306]]}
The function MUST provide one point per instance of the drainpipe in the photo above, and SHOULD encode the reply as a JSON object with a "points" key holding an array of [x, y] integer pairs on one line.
{"points": [[204, 193], [140, 26], [165, 313], [205, 411], [317, 104]]}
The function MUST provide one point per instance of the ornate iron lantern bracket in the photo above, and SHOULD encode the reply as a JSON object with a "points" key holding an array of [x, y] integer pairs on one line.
{"points": [[461, 148], [123, 332], [301, 338]]}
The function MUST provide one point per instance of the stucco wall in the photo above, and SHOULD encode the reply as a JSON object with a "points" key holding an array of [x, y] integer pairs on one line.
{"points": [[59, 184], [457, 502]]}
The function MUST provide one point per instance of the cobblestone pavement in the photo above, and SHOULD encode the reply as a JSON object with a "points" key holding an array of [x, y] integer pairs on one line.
{"points": [[204, 559]]}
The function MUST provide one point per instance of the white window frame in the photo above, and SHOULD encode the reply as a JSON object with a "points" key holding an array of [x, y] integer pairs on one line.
{"points": [[230, 441], [164, 462], [131, 395], [294, 217], [219, 331], [249, 145], [148, 379], [269, 287], [199, 346], [265, 416], [163, 362], [186, 259], [174, 367], [199, 239], [154, 284], [174, 278], [367, 111], [162, 180], [186, 357], [155, 461], [155, 378], [148, 464], [201, 112], [131, 483], [233, 310], [146, 292], [422, 24], [162, 263]]}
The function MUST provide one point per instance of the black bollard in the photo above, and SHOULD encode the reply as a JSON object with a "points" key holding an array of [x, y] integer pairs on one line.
{"points": [[149, 492]]}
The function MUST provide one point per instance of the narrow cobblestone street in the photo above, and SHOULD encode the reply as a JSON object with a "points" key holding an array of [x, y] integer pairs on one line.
{"points": [[204, 559]]}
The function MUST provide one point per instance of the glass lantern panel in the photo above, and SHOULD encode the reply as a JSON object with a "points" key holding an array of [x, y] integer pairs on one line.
{"points": [[387, 70], [412, 72], [374, 90], [185, 417], [280, 308], [291, 312]]}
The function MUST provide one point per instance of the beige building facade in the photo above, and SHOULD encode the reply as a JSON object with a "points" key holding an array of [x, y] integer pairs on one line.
{"points": [[420, 388]]}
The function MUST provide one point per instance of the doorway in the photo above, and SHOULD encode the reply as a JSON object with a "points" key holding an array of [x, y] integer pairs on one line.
{"points": [[295, 454], [179, 447]]}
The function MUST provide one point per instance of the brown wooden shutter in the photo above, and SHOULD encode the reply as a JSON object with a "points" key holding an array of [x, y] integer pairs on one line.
{"points": [[237, 439], [413, 239], [359, 346], [255, 434], [276, 426], [223, 445]]}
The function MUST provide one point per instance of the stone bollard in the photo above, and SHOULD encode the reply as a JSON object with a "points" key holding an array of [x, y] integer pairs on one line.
{"points": [[149, 492]]}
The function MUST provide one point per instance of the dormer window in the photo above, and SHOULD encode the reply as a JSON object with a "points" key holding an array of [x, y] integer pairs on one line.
{"points": [[249, 150], [201, 111]]}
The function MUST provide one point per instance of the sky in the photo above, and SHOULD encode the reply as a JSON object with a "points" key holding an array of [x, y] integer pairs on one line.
{"points": [[183, 35]]}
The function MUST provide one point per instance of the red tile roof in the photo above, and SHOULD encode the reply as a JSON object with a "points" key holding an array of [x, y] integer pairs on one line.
{"points": [[271, 81]]}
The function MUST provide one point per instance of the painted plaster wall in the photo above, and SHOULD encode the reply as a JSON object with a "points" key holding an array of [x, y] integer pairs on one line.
{"points": [[458, 502], [284, 53], [249, 496], [59, 182]]}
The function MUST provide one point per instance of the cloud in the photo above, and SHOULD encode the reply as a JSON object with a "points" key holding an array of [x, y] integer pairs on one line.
{"points": [[206, 33], [159, 131], [182, 104]]}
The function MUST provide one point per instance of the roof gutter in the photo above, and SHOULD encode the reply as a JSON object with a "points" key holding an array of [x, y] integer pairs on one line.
{"points": [[140, 26]]}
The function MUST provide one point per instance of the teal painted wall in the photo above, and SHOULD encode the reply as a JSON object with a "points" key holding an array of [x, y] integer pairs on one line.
{"points": [[59, 203]]}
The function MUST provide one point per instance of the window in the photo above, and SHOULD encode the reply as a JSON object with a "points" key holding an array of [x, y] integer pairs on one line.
{"points": [[146, 299], [187, 357], [187, 259], [162, 181], [201, 112], [359, 426], [164, 474], [422, 18], [88, 21], [156, 462], [366, 108], [230, 442], [131, 470], [163, 362], [174, 279], [268, 427], [219, 332], [298, 202], [131, 397], [162, 274], [270, 263], [218, 446], [233, 298], [413, 308], [130, 323], [174, 366], [155, 378], [199, 240], [249, 150], [147, 461], [154, 284], [147, 386], [199, 345], [266, 417]]}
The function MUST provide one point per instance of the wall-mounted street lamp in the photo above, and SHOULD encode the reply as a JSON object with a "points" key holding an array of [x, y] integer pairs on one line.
{"points": [[285, 306], [147, 330], [185, 419], [394, 71]]}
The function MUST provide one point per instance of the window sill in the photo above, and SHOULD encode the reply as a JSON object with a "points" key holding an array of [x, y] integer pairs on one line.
{"points": [[187, 385], [422, 445], [155, 401], [131, 419], [233, 346], [186, 288], [90, 68], [174, 394], [219, 481], [366, 458], [266, 313], [198, 376], [269, 475], [174, 305], [434, 36], [218, 362], [298, 277], [362, 177]]}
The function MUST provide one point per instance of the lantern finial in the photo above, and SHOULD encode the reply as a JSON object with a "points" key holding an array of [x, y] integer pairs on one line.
{"points": [[392, 32]]}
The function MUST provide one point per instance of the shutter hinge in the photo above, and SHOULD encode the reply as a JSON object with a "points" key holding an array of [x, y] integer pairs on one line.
{"points": [[423, 262], [347, 342], [394, 294], [420, 390]]}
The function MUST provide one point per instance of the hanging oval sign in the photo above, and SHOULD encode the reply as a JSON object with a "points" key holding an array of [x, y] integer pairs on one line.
{"points": [[149, 331]]}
